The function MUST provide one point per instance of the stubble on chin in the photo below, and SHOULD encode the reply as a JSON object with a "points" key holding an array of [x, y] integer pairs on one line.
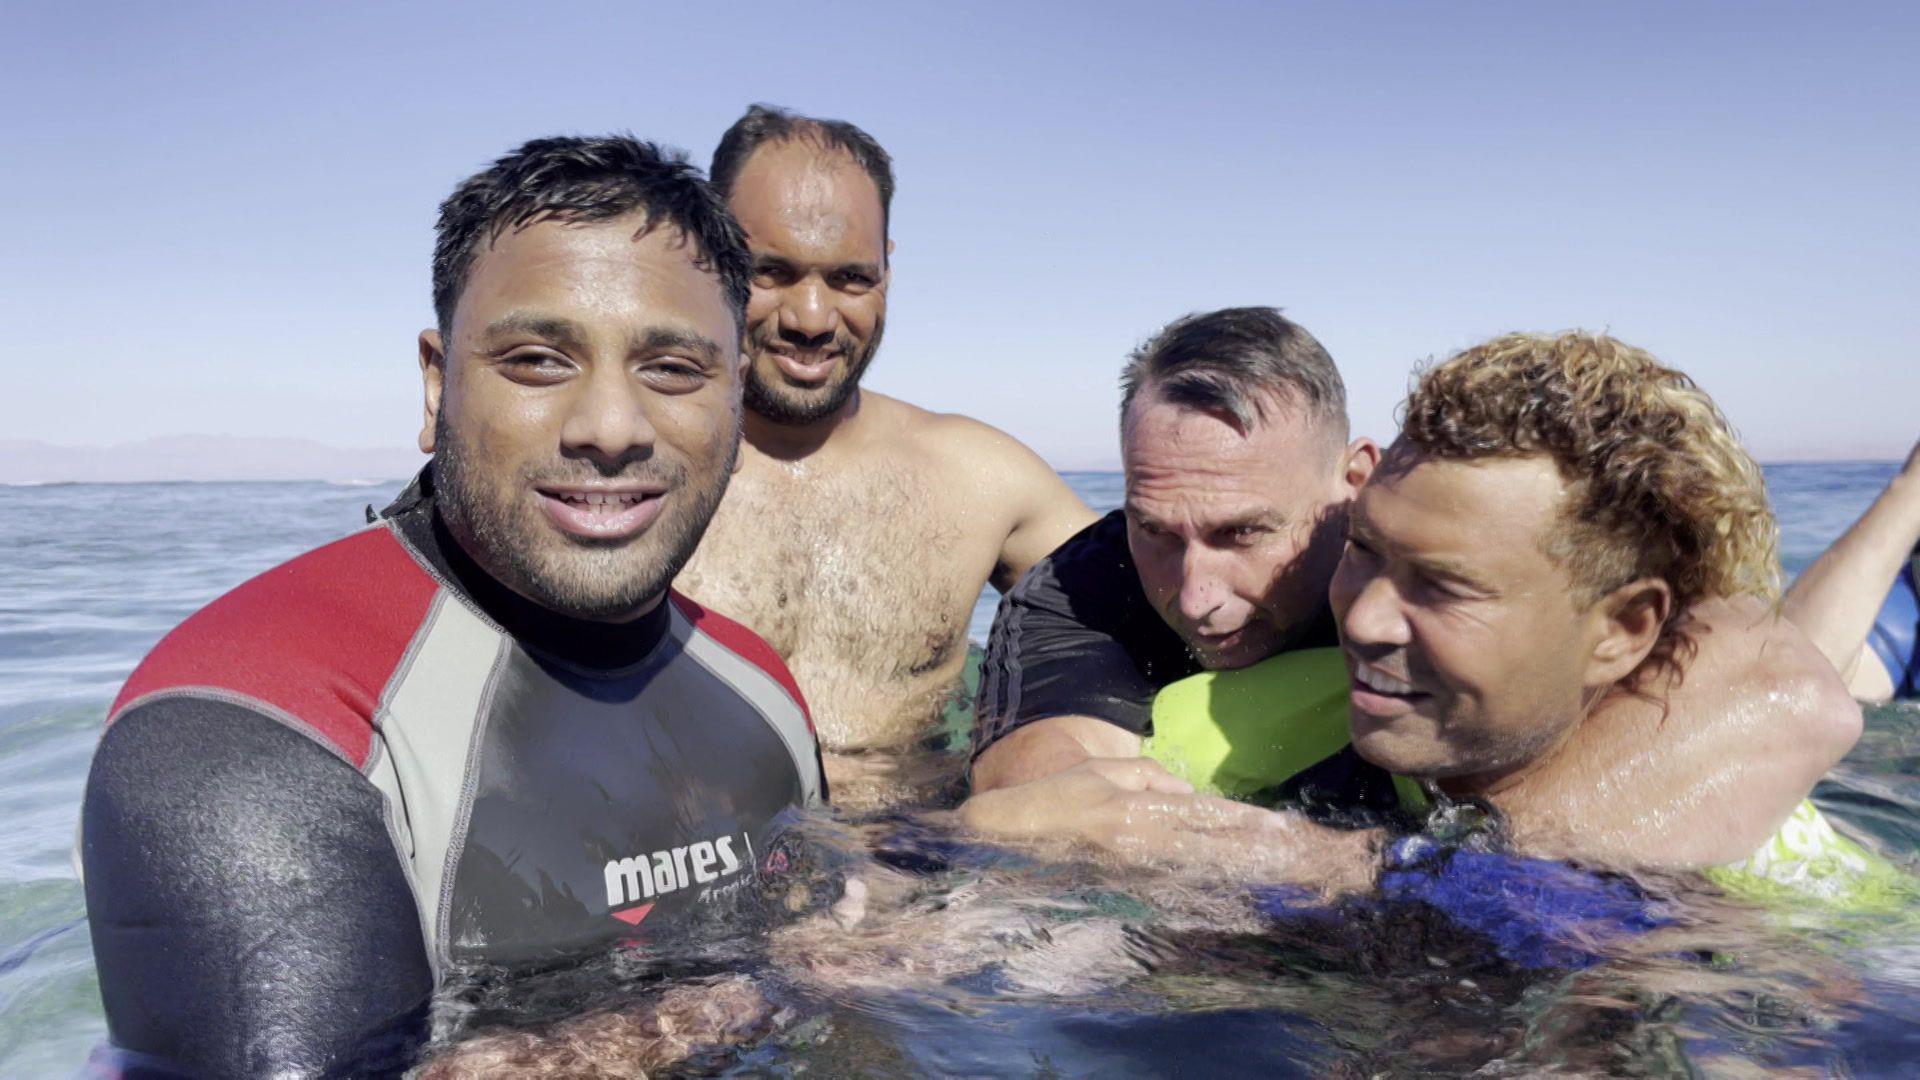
{"points": [[769, 398], [602, 581]]}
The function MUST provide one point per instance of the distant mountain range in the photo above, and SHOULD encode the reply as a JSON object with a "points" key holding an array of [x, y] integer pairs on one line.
{"points": [[201, 457]]}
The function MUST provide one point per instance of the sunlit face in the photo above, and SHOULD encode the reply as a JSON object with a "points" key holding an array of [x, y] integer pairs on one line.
{"points": [[1235, 533], [1467, 646], [818, 235], [584, 413]]}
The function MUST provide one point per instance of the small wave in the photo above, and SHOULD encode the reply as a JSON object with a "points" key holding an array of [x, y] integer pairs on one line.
{"points": [[359, 483]]}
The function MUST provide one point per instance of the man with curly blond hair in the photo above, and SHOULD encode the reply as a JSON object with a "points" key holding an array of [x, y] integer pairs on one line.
{"points": [[1563, 522]]}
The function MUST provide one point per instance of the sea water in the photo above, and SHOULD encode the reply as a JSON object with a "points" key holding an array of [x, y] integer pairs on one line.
{"points": [[1054, 971]]}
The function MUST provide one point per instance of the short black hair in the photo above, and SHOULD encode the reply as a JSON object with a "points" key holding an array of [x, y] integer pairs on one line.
{"points": [[763, 124], [586, 179], [1238, 361]]}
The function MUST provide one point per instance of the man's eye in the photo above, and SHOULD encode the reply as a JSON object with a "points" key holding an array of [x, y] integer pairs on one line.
{"points": [[674, 377], [1440, 591], [772, 276], [853, 282], [540, 366]]}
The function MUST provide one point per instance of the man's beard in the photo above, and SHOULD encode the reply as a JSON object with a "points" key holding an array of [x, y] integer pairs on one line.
{"points": [[783, 404], [604, 581]]}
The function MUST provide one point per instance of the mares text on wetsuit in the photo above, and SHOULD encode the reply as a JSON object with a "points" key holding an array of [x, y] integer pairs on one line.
{"points": [[374, 764], [1077, 636]]}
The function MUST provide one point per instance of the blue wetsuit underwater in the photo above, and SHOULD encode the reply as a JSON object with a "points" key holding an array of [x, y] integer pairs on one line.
{"points": [[1895, 637], [1532, 914]]}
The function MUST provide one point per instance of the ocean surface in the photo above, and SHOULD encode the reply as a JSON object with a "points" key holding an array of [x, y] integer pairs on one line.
{"points": [[91, 576]]}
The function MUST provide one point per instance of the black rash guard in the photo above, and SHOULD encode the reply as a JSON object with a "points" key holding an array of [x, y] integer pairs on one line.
{"points": [[374, 766], [1077, 636]]}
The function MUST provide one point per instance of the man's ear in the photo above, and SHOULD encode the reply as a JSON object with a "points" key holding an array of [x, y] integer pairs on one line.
{"points": [[433, 380], [1630, 619], [1361, 457]]}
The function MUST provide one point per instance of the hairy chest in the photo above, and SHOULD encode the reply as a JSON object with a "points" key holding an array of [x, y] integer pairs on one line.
{"points": [[863, 580]]}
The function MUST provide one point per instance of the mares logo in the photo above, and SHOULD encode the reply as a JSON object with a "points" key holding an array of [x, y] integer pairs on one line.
{"points": [[653, 875]]}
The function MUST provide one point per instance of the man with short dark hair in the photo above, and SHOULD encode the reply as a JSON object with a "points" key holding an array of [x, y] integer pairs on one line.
{"points": [[1239, 482], [860, 529], [482, 734], [1233, 433]]}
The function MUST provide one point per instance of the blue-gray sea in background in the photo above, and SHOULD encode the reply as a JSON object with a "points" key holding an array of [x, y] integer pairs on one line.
{"points": [[95, 574]]}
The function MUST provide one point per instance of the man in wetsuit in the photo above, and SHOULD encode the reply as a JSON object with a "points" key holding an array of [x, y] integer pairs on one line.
{"points": [[1239, 475], [860, 529], [482, 734]]}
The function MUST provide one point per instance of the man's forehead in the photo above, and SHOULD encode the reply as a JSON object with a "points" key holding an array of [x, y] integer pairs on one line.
{"points": [[604, 268], [1211, 473], [793, 192], [1160, 433], [1489, 512]]}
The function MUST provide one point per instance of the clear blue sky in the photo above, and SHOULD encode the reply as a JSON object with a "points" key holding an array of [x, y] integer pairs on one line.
{"points": [[219, 217]]}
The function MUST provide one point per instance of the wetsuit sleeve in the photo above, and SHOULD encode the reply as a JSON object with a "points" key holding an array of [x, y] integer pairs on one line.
{"points": [[1076, 637], [249, 913]]}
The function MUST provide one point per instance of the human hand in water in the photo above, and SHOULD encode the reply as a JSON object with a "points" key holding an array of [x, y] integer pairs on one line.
{"points": [[660, 1032], [1138, 810]]}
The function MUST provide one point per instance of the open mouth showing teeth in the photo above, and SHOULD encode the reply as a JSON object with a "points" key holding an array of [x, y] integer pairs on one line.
{"points": [[1381, 683], [601, 501]]}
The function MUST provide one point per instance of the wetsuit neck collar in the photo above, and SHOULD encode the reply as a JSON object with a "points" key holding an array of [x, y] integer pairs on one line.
{"points": [[584, 643]]}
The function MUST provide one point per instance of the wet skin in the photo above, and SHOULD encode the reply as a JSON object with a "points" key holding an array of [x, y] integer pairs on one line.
{"points": [[584, 411], [1235, 532], [818, 237], [1473, 654], [859, 529], [1698, 772]]}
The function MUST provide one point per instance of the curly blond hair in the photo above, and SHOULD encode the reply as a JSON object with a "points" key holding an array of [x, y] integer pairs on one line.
{"points": [[1659, 485]]}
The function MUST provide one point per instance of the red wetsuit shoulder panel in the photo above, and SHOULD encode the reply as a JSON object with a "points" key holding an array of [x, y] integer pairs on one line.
{"points": [[317, 637], [747, 644]]}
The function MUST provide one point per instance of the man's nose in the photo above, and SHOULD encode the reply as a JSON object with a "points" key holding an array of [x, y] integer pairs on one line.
{"points": [[607, 420], [807, 315], [1374, 617], [1202, 589]]}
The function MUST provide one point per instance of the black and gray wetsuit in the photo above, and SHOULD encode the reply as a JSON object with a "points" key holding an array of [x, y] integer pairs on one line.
{"points": [[374, 764]]}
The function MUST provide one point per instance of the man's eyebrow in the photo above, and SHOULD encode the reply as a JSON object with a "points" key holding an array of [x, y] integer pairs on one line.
{"points": [[871, 270], [1439, 567], [1271, 519], [664, 339], [1449, 570], [545, 327]]}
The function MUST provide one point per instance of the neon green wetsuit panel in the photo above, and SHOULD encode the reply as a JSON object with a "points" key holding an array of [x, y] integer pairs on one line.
{"points": [[1808, 860], [1238, 733]]}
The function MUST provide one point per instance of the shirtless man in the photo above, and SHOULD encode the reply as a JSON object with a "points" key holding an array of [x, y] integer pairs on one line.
{"points": [[1546, 539], [858, 529], [1240, 474]]}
